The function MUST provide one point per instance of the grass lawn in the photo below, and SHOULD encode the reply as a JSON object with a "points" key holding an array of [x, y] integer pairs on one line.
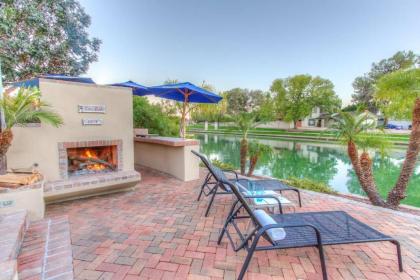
{"points": [[393, 137]]}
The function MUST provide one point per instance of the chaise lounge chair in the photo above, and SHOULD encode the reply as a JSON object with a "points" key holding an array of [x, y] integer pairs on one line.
{"points": [[295, 230], [213, 184]]}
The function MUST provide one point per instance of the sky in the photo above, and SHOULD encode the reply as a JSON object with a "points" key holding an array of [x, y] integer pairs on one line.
{"points": [[248, 43]]}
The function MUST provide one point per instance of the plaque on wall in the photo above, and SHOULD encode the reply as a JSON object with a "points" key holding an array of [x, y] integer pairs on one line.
{"points": [[92, 122], [100, 109], [7, 203]]}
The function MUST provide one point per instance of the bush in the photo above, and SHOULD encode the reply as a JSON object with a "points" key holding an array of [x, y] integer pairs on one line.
{"points": [[307, 184], [220, 164], [152, 117]]}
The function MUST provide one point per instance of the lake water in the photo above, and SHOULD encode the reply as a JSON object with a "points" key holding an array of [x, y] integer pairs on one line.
{"points": [[323, 162]]}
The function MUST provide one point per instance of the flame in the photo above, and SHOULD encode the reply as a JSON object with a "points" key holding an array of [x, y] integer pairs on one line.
{"points": [[96, 166]]}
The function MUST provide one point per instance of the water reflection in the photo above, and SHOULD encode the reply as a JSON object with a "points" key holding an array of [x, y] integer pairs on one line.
{"points": [[323, 162]]}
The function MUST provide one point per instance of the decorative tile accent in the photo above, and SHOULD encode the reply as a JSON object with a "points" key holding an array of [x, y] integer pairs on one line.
{"points": [[62, 153]]}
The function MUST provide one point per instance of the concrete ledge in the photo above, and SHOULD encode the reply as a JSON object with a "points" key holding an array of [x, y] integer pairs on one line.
{"points": [[30, 198], [12, 231], [79, 187], [177, 161]]}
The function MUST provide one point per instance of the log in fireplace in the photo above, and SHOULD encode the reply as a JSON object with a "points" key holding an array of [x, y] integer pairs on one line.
{"points": [[92, 160]]}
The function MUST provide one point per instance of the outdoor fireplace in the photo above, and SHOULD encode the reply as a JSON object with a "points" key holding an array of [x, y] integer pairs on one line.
{"points": [[90, 157], [92, 160]]}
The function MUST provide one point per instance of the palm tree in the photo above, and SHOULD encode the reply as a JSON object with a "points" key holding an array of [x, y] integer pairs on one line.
{"points": [[353, 131], [256, 150], [245, 122], [22, 108], [401, 92]]}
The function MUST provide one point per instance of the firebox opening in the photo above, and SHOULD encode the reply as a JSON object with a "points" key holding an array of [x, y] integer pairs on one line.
{"points": [[92, 160]]}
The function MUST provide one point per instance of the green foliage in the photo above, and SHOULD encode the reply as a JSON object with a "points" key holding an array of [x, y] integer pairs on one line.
{"points": [[399, 91], [40, 37], [308, 184], [364, 86], [154, 118], [27, 107], [357, 128], [350, 108], [222, 165], [296, 96], [211, 112], [241, 100], [256, 149]]}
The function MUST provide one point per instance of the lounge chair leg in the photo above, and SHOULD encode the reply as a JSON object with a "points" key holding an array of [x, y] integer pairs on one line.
{"points": [[229, 218], [206, 180], [321, 255], [300, 201], [214, 190], [248, 257], [400, 265]]}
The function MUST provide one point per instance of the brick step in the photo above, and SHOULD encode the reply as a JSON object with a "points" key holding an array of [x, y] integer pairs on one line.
{"points": [[12, 230], [46, 250]]}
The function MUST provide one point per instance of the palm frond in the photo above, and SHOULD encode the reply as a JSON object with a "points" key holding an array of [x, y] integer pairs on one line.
{"points": [[26, 107]]}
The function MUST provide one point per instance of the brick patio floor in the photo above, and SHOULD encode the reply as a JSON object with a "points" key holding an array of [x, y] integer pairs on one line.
{"points": [[158, 231]]}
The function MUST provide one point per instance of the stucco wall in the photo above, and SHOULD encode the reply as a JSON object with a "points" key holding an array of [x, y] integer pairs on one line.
{"points": [[39, 144]]}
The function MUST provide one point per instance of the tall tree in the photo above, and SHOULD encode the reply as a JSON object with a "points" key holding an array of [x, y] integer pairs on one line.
{"points": [[244, 100], [364, 86], [401, 91], [45, 36], [296, 96], [354, 132]]}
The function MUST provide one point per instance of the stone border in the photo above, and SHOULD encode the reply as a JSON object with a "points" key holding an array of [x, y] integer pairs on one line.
{"points": [[62, 153]]}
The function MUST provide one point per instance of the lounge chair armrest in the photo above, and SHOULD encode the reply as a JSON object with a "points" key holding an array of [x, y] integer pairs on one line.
{"points": [[233, 172], [262, 230]]}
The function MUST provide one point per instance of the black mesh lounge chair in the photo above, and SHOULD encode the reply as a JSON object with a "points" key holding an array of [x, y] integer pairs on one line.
{"points": [[295, 230], [213, 185]]}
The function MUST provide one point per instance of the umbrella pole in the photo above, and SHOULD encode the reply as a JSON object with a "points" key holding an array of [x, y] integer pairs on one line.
{"points": [[183, 116]]}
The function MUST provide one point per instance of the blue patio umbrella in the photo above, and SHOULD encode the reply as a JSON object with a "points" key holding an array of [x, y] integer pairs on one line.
{"points": [[138, 89], [186, 93]]}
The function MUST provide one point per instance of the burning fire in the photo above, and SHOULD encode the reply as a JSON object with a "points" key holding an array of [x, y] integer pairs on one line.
{"points": [[95, 166]]}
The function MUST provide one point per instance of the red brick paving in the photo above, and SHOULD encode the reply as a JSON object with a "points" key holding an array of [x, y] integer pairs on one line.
{"points": [[159, 231]]}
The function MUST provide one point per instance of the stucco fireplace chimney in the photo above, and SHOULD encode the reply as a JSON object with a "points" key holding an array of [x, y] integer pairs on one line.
{"points": [[92, 152]]}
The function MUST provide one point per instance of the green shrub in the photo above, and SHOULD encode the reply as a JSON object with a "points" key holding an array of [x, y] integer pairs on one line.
{"points": [[152, 117], [309, 185], [220, 164]]}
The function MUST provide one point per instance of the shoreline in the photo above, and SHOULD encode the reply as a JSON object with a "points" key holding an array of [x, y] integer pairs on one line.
{"points": [[281, 136]]}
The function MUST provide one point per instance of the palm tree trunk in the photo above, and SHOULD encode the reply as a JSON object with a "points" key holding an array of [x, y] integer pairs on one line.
{"points": [[367, 181], [354, 158], [6, 138], [398, 192], [252, 164], [244, 153]]}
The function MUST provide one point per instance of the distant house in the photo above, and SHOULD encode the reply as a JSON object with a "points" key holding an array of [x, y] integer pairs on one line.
{"points": [[316, 120]]}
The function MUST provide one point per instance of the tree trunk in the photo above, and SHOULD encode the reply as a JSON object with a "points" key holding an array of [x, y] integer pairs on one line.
{"points": [[354, 158], [6, 138], [244, 153], [295, 124], [367, 181], [252, 164], [398, 192]]}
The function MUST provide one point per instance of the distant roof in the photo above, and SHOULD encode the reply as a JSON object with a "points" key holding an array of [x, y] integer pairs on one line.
{"points": [[35, 82]]}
